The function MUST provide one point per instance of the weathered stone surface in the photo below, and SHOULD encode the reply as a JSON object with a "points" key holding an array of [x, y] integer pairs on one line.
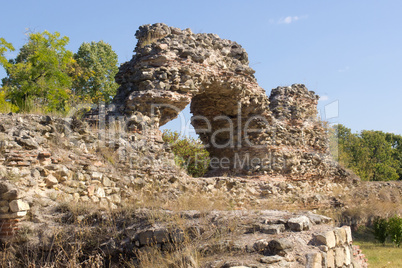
{"points": [[327, 239], [133, 165], [347, 255], [340, 257], [331, 258], [348, 231], [150, 237], [51, 181], [272, 228], [27, 142], [233, 116], [4, 209], [10, 195], [340, 236], [271, 259], [314, 260], [298, 224], [260, 245], [18, 205], [97, 175], [280, 244]]}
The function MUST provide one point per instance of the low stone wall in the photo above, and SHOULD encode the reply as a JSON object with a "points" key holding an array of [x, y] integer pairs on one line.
{"points": [[53, 161], [12, 210], [246, 239], [336, 250]]}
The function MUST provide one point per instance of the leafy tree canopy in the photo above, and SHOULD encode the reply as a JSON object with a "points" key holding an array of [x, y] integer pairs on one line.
{"points": [[98, 67], [39, 75], [372, 155], [4, 47]]}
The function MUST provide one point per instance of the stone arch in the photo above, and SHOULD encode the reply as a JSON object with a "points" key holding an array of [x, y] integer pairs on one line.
{"points": [[174, 67]]}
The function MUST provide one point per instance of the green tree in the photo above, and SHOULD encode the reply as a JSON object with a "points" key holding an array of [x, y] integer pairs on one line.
{"points": [[379, 161], [345, 141], [98, 67], [6, 106], [396, 144], [371, 155], [4, 47], [40, 75], [395, 229], [380, 229]]}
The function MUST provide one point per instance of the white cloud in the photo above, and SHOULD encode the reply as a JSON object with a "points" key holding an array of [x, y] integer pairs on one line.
{"points": [[290, 19]]}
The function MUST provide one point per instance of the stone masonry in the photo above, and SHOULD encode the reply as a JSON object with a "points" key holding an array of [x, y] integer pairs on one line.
{"points": [[120, 158], [243, 129]]}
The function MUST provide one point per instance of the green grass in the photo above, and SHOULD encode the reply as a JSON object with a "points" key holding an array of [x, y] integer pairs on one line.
{"points": [[378, 255]]}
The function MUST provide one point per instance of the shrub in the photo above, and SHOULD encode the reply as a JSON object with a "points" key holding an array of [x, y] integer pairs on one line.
{"points": [[6, 106], [380, 230], [189, 153], [395, 230], [384, 228]]}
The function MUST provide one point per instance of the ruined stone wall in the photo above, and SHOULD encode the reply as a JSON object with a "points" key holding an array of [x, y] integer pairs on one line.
{"points": [[47, 161], [242, 128], [12, 209]]}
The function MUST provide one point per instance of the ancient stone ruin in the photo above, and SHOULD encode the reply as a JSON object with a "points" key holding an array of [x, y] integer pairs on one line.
{"points": [[275, 146], [243, 129]]}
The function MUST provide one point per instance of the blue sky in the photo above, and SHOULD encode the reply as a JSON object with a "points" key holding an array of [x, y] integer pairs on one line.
{"points": [[348, 52]]}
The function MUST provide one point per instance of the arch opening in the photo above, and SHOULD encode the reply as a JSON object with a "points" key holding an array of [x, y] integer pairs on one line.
{"points": [[241, 127]]}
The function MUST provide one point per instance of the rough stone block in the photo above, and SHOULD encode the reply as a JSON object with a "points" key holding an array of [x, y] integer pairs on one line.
{"points": [[106, 182], [298, 224], [4, 209], [340, 236], [100, 192], [51, 181], [97, 175], [355, 264], [260, 245], [63, 173], [324, 259], [272, 228], [331, 258], [114, 198], [280, 244], [347, 255], [18, 205], [271, 259], [327, 239], [14, 215], [323, 248], [279, 247], [44, 154], [313, 260], [348, 231], [9, 195], [150, 237], [339, 256], [3, 173]]}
